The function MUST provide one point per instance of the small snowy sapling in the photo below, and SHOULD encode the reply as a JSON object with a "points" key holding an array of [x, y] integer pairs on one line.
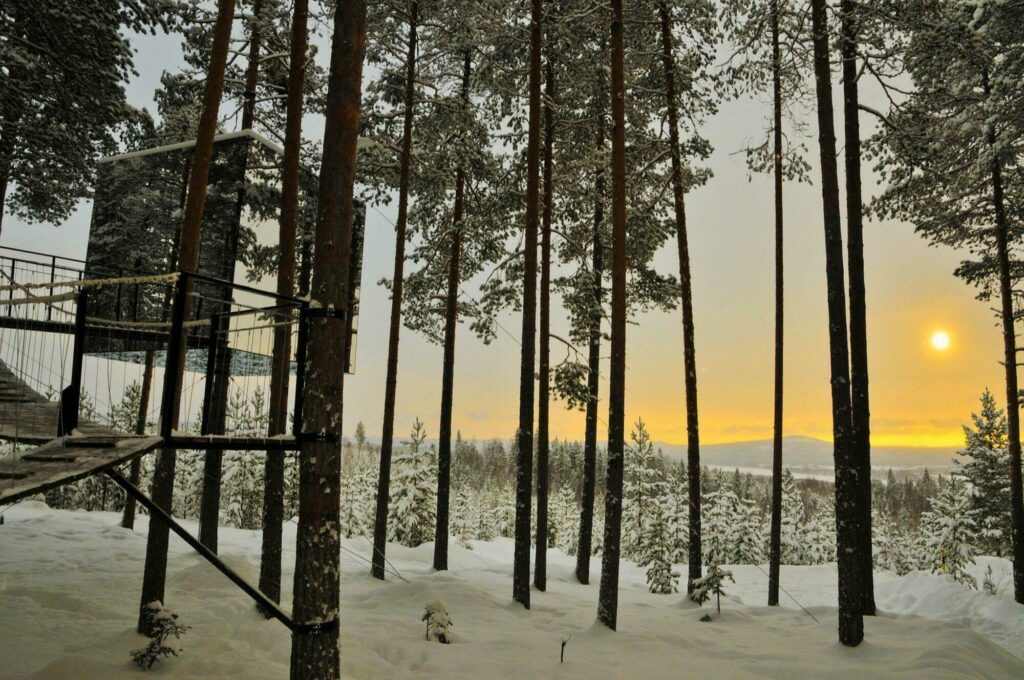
{"points": [[438, 622], [166, 626], [712, 584]]}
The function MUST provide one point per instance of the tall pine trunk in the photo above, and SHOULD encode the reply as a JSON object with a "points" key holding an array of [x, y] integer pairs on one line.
{"points": [[155, 571], [380, 526], [444, 448], [608, 598], [775, 550], [318, 548], [280, 376], [686, 292], [209, 509], [851, 622], [860, 419], [135, 468], [524, 436], [540, 562], [252, 68], [585, 545], [1009, 365]]}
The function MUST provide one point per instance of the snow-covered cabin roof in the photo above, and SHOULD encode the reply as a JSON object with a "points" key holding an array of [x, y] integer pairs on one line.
{"points": [[190, 143]]}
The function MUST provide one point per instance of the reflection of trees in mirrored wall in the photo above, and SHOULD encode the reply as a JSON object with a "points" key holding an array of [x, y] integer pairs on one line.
{"points": [[137, 214], [136, 220]]}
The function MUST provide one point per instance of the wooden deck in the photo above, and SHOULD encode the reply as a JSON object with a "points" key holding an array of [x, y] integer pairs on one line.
{"points": [[66, 460], [27, 417]]}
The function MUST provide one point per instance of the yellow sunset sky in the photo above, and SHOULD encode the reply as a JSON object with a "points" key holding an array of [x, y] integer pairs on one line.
{"points": [[919, 396]]}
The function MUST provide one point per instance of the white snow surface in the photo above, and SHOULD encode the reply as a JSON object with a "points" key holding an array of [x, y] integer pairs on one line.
{"points": [[69, 588]]}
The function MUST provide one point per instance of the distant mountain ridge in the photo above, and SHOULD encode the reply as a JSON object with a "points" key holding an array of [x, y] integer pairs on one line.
{"points": [[813, 456], [805, 456]]}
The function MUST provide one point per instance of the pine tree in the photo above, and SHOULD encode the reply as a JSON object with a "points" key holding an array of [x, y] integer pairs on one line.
{"points": [[317, 581], [772, 37], [384, 44], [851, 624], [956, 135], [155, 571], [62, 97]]}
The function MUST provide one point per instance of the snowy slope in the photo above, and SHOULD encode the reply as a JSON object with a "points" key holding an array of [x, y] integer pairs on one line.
{"points": [[69, 583]]}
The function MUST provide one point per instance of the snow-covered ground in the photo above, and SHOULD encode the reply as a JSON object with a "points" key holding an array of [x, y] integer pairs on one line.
{"points": [[69, 583]]}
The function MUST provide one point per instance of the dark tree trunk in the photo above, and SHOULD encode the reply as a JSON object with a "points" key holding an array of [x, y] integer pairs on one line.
{"points": [[213, 461], [3, 198], [444, 448], [608, 598], [380, 525], [273, 478], [851, 622], [524, 436], [135, 469], [318, 549], [540, 563], [775, 551], [588, 492], [860, 419], [13, 112], [686, 291], [1010, 367], [154, 575], [252, 68]]}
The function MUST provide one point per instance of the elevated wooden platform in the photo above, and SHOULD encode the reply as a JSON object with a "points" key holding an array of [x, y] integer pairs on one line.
{"points": [[28, 417], [66, 460]]}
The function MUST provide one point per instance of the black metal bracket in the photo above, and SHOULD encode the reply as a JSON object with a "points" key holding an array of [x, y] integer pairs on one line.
{"points": [[326, 313], [317, 437], [265, 603], [314, 628]]}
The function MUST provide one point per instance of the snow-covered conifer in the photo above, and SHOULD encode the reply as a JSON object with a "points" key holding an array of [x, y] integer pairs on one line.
{"points": [[655, 550], [414, 487], [987, 473], [950, 530]]}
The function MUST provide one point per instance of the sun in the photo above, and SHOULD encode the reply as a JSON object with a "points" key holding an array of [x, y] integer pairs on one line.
{"points": [[940, 340]]}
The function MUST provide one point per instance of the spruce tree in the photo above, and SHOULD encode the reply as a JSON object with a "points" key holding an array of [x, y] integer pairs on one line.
{"points": [[950, 530], [655, 550], [986, 474]]}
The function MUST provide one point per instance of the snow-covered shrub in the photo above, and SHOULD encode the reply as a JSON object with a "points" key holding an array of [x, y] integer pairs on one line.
{"points": [[438, 622], [165, 626], [713, 583]]}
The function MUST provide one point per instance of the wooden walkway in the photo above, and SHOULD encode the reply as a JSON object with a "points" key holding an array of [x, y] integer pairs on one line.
{"points": [[27, 417], [66, 460]]}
